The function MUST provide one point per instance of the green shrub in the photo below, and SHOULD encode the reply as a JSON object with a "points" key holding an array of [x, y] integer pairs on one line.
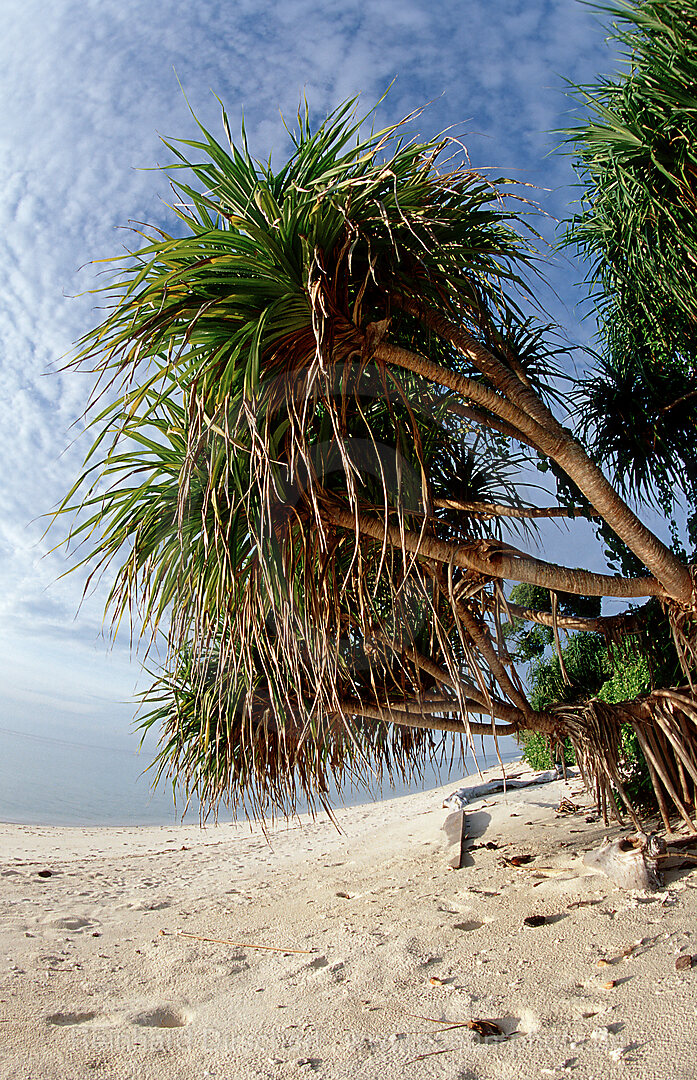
{"points": [[630, 677], [539, 754]]}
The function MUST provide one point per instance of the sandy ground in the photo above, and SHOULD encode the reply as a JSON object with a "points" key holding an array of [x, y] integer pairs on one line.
{"points": [[98, 980]]}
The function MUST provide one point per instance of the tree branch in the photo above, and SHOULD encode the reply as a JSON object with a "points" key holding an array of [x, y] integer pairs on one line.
{"points": [[487, 510], [482, 639], [600, 624], [496, 561], [416, 718], [501, 709], [559, 444], [489, 421], [470, 389]]}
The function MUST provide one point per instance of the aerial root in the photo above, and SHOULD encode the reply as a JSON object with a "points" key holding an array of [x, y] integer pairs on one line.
{"points": [[665, 724]]}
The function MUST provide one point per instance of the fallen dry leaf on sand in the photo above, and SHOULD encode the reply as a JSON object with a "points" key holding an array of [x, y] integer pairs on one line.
{"points": [[520, 860], [485, 1028]]}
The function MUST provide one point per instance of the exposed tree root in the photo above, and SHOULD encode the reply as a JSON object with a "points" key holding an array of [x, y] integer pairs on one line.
{"points": [[665, 723]]}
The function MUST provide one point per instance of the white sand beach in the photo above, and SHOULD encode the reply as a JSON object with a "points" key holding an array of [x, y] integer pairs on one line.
{"points": [[395, 952]]}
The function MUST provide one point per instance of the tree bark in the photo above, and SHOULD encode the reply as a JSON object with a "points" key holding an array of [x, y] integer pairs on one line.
{"points": [[480, 637], [424, 721]]}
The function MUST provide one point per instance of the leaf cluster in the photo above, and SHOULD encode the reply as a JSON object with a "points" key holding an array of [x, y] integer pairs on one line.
{"points": [[637, 159]]}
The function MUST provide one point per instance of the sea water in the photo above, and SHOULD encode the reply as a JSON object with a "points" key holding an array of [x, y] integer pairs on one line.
{"points": [[94, 779]]}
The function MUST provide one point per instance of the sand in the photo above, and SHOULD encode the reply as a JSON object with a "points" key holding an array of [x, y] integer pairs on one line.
{"points": [[98, 980]]}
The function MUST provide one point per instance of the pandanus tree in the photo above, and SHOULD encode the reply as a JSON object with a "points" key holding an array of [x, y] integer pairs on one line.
{"points": [[636, 155], [319, 405]]}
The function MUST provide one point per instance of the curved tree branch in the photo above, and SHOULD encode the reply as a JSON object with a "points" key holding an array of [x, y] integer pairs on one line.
{"points": [[480, 636], [559, 444]]}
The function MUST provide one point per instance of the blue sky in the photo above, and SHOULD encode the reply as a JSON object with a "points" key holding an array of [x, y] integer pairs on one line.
{"points": [[86, 88]]}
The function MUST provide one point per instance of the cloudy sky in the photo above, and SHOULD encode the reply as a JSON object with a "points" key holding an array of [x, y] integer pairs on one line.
{"points": [[87, 87]]}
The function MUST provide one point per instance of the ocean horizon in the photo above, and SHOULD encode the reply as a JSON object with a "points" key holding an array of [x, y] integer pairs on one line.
{"points": [[47, 780]]}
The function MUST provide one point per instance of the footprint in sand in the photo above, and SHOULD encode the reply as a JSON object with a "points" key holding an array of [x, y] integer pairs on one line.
{"points": [[68, 1019], [470, 924], [71, 922], [163, 1016]]}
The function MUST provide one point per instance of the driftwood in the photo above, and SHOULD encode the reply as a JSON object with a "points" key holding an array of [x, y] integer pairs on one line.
{"points": [[636, 862], [455, 829], [465, 795], [624, 863], [455, 824]]}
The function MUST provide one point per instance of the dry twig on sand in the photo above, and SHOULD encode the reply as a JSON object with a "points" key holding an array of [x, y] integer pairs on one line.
{"points": [[243, 944]]}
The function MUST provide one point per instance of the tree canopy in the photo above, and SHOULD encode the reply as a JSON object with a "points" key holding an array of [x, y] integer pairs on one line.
{"points": [[313, 414]]}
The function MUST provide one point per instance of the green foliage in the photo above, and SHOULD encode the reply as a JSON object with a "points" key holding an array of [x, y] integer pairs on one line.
{"points": [[630, 676], [637, 157], [636, 154], [620, 673], [538, 752], [640, 418], [526, 642], [587, 666], [613, 675]]}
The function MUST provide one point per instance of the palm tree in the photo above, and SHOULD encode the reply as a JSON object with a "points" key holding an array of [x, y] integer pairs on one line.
{"points": [[307, 473]]}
